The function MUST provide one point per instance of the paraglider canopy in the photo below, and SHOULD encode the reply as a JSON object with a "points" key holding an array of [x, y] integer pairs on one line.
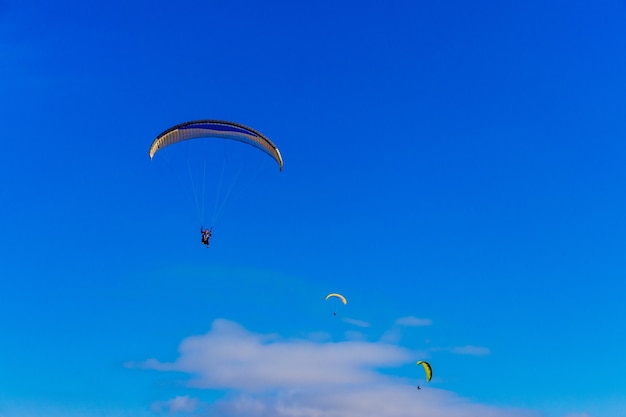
{"points": [[427, 369], [215, 129], [341, 297]]}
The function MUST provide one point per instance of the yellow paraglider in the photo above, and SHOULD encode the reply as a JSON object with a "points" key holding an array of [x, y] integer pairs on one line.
{"points": [[341, 297], [335, 295]]}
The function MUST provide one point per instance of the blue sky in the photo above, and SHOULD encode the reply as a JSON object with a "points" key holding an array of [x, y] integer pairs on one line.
{"points": [[455, 169]]}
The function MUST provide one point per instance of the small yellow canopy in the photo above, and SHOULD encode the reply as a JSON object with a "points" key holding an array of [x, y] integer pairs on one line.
{"points": [[341, 297], [427, 369]]}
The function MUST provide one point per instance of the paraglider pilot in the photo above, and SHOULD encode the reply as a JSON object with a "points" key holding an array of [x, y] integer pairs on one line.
{"points": [[206, 234]]}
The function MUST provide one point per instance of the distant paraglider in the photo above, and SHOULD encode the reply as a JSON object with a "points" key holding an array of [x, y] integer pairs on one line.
{"points": [[336, 295], [427, 369], [341, 297]]}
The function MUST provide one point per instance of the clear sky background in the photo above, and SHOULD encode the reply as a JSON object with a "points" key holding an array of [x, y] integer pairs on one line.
{"points": [[455, 169]]}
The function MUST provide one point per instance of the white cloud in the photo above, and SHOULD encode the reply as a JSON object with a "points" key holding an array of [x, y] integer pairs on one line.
{"points": [[318, 336], [412, 321], [354, 335], [394, 334], [372, 400], [470, 350], [268, 376], [355, 322], [49, 409], [180, 404], [231, 357], [391, 336]]}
